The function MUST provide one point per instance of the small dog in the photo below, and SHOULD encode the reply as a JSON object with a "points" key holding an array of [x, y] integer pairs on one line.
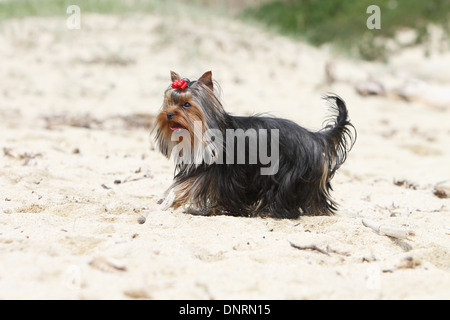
{"points": [[223, 164]]}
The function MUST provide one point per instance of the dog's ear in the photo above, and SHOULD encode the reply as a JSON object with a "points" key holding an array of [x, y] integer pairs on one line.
{"points": [[206, 79], [174, 76]]}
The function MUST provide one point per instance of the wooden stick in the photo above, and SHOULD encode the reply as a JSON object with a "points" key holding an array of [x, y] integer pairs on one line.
{"points": [[310, 247], [389, 231], [343, 253]]}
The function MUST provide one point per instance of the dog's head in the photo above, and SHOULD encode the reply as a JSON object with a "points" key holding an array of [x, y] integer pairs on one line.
{"points": [[189, 109]]}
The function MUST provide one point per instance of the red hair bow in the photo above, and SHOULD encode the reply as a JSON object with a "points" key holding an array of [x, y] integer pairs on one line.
{"points": [[179, 83]]}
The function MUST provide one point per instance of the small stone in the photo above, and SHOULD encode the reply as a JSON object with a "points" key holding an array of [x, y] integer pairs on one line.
{"points": [[442, 190], [141, 220]]}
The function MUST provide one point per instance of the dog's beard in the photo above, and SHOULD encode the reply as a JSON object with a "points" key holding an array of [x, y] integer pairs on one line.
{"points": [[186, 150], [192, 147]]}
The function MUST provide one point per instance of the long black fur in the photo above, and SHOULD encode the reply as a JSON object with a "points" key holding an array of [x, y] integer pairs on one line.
{"points": [[307, 163]]}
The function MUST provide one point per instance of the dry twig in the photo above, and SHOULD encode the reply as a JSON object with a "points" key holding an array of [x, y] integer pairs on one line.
{"points": [[107, 264], [310, 247], [389, 231]]}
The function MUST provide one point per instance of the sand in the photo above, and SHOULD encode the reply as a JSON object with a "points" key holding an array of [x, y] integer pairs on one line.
{"points": [[78, 167]]}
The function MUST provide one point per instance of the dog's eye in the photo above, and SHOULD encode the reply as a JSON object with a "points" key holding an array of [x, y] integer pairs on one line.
{"points": [[186, 105]]}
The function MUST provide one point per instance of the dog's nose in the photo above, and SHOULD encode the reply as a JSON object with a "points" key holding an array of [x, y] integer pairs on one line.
{"points": [[170, 115]]}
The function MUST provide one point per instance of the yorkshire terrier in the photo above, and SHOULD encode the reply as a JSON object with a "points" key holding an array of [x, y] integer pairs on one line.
{"points": [[247, 166]]}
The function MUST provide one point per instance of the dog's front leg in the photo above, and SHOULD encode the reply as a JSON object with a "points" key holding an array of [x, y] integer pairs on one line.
{"points": [[166, 202]]}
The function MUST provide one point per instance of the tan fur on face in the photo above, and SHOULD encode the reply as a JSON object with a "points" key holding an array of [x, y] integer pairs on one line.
{"points": [[185, 117]]}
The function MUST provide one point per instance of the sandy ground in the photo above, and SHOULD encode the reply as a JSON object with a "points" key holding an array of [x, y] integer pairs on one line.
{"points": [[78, 167]]}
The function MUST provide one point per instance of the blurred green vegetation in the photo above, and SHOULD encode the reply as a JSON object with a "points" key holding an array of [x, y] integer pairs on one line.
{"points": [[343, 22], [25, 8]]}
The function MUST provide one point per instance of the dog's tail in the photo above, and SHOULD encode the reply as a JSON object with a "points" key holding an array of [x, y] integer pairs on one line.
{"points": [[339, 134]]}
